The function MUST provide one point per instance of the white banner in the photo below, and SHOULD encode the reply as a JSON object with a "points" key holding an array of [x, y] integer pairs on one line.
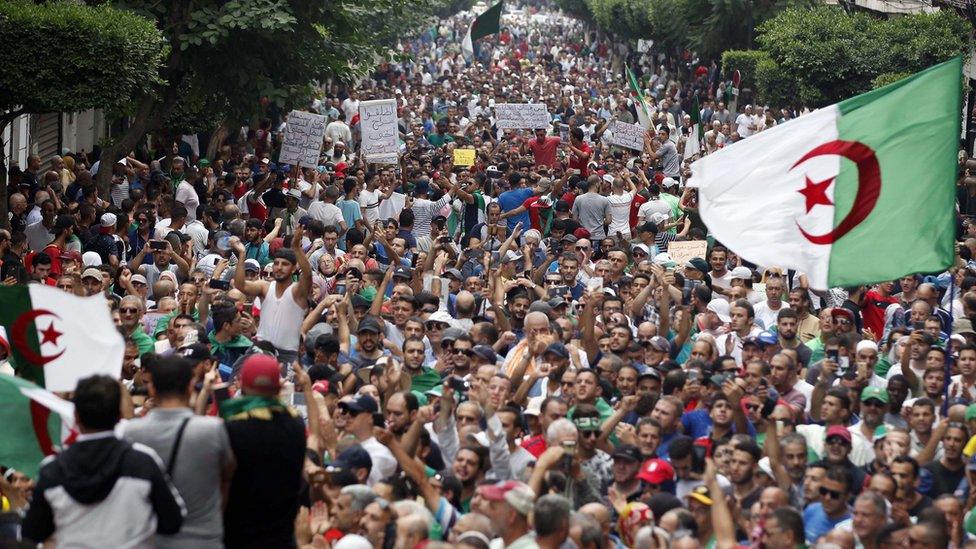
{"points": [[627, 135], [521, 116], [378, 123], [303, 139]]}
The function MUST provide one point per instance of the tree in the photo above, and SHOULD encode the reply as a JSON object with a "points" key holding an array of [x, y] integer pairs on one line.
{"points": [[744, 61], [625, 19], [67, 57], [235, 52]]}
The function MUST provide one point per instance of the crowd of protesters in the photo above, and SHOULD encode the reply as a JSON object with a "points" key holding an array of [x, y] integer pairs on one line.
{"points": [[501, 355]]}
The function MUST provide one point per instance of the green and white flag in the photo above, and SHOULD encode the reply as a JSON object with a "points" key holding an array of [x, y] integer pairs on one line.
{"points": [[643, 116], [57, 338], [854, 193], [489, 22], [693, 143], [33, 423]]}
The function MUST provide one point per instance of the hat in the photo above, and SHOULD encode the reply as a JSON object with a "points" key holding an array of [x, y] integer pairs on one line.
{"points": [[697, 264], [265, 161], [970, 412], [359, 404], [641, 247], [742, 273], [534, 406], [838, 431], [252, 265], [842, 311], [515, 493], [452, 334], [91, 259], [293, 193], [352, 541], [485, 352], [558, 349], [669, 182], [402, 272], [260, 372], [511, 256], [453, 273], [720, 306], [541, 306], [658, 217], [195, 352], [700, 494], [656, 471], [436, 391], [568, 238], [880, 432], [441, 316], [71, 255], [343, 468], [767, 338], [876, 393], [369, 324], [659, 343], [360, 302], [963, 326], [108, 220], [865, 344], [91, 272], [557, 302], [650, 373], [627, 451], [138, 278]]}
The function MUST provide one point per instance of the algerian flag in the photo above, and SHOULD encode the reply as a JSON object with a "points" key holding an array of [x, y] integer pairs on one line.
{"points": [[854, 193], [489, 22], [693, 143], [28, 429], [57, 338], [643, 117]]}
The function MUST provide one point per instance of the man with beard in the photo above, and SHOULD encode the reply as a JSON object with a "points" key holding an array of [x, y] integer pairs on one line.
{"points": [[511, 418], [742, 473], [350, 509], [948, 471], [597, 465], [130, 312], [555, 361], [874, 403], [787, 324], [783, 377], [325, 362], [741, 327], [401, 412], [469, 466], [255, 247], [368, 339], [837, 446], [589, 391], [905, 470], [551, 409], [821, 517], [358, 413], [422, 378], [538, 336]]}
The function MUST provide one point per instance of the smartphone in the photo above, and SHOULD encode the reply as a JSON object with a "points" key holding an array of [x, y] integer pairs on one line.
{"points": [[219, 284], [833, 354], [157, 245], [340, 288], [221, 392], [558, 291], [459, 384]]}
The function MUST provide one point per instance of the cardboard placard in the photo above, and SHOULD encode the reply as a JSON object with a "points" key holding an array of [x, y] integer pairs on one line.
{"points": [[522, 116], [464, 157], [627, 135], [303, 139], [682, 251], [378, 124]]}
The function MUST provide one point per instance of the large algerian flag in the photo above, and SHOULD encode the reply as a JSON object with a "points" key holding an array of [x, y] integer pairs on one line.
{"points": [[643, 117], [489, 22], [57, 338], [693, 143], [854, 193], [28, 428]]}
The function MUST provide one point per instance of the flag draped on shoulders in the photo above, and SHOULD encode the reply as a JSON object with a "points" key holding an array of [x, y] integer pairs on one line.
{"points": [[854, 193]]}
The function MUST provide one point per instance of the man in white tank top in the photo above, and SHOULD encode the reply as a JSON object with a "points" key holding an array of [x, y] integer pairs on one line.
{"points": [[283, 303]]}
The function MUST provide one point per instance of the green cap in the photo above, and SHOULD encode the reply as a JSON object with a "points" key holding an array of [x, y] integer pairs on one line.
{"points": [[970, 412], [876, 393], [880, 432], [421, 398], [203, 162]]}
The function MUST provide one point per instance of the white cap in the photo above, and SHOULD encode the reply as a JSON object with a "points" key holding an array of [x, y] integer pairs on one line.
{"points": [[866, 344], [91, 259], [669, 182], [720, 307], [352, 541], [743, 273], [108, 220]]}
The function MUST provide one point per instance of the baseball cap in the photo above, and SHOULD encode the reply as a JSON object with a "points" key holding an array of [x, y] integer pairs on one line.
{"points": [[568, 238], [700, 494], [767, 338], [252, 265], [293, 193], [963, 326], [260, 372], [558, 349], [451, 334], [698, 264], [511, 256], [360, 302], [195, 352], [71, 255], [108, 220], [359, 404], [656, 471], [441, 316], [343, 468], [720, 306], [874, 392], [453, 273], [91, 272], [669, 182], [515, 493], [485, 352], [627, 451], [743, 273], [659, 343], [842, 311], [838, 431], [369, 324], [402, 272], [138, 278]]}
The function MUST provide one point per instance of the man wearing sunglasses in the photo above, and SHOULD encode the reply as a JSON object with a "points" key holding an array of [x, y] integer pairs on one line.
{"points": [[821, 517]]}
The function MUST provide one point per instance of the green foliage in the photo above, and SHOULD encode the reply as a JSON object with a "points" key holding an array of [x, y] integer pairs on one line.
{"points": [[627, 19], [447, 8], [578, 8], [668, 24], [64, 56], [886, 78], [744, 61], [824, 55]]}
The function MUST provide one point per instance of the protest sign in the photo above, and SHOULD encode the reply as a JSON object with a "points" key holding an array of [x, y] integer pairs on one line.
{"points": [[626, 135], [378, 124], [521, 116], [682, 251], [303, 139], [463, 157]]}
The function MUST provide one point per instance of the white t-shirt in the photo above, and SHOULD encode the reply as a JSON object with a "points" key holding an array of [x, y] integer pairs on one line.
{"points": [[652, 207], [384, 464], [328, 214], [766, 315], [370, 201], [187, 195], [742, 122], [620, 213]]}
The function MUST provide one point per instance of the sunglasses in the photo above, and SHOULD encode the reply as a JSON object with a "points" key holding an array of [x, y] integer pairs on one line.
{"points": [[873, 402], [581, 248], [129, 310], [752, 407], [436, 325], [589, 434], [835, 440], [833, 494]]}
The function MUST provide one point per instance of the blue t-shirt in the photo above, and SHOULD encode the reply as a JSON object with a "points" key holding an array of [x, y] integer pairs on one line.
{"points": [[509, 200], [816, 522], [350, 214]]}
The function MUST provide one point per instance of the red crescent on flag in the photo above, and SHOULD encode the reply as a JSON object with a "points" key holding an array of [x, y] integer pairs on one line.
{"points": [[868, 185], [18, 337], [39, 416]]}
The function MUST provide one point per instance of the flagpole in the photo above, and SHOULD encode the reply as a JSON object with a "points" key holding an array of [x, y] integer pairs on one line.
{"points": [[948, 348]]}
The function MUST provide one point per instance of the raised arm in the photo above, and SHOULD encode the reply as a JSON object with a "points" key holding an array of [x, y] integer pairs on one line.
{"points": [[250, 287]]}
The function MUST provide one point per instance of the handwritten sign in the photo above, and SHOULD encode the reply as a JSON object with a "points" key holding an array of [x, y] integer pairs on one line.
{"points": [[522, 116], [463, 157], [682, 251], [378, 123], [626, 135], [303, 139]]}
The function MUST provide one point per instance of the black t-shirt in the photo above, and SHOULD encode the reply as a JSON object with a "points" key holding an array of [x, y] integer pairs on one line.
{"points": [[264, 493], [317, 372], [944, 480], [923, 503]]}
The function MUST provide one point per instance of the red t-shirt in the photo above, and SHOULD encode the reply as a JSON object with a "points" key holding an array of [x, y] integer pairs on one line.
{"points": [[873, 311], [535, 445], [634, 207], [545, 152], [579, 162], [55, 254], [533, 206]]}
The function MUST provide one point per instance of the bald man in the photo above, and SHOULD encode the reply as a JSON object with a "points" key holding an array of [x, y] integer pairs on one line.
{"points": [[600, 513]]}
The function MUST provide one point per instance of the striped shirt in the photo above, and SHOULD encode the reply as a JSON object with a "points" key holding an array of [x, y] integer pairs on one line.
{"points": [[423, 211]]}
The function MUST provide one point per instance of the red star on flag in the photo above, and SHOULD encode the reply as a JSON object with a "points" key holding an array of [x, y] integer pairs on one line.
{"points": [[816, 193], [50, 335]]}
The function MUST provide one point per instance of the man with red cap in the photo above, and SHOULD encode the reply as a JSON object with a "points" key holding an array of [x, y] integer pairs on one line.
{"points": [[268, 439]]}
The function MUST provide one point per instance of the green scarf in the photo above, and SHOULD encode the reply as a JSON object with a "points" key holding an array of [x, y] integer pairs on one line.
{"points": [[264, 406]]}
